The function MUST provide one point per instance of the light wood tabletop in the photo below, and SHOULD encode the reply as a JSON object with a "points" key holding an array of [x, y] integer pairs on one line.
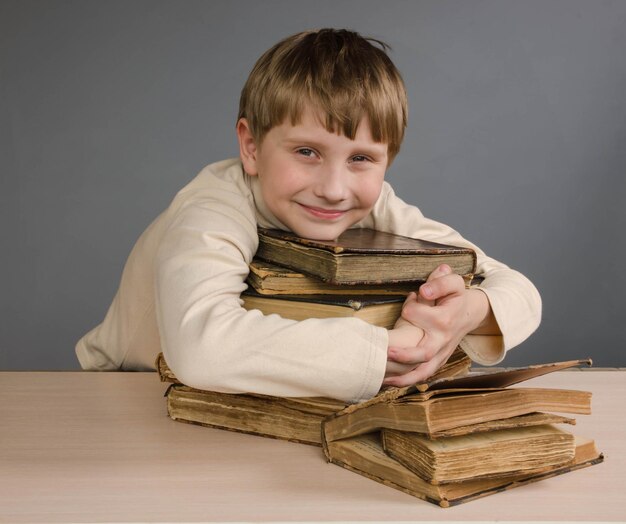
{"points": [[99, 447]]}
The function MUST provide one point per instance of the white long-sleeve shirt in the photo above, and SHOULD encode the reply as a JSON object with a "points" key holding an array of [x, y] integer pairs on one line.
{"points": [[180, 294]]}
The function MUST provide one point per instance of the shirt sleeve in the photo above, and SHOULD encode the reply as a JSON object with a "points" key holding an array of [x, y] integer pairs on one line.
{"points": [[514, 300], [211, 342]]}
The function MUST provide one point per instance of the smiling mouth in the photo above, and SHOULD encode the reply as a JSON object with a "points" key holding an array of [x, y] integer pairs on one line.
{"points": [[326, 214]]}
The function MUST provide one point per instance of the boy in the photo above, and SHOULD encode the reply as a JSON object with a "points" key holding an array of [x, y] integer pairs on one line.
{"points": [[321, 117]]}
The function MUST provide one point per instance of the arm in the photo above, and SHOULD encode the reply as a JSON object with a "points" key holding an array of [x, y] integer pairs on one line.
{"points": [[503, 311], [211, 342]]}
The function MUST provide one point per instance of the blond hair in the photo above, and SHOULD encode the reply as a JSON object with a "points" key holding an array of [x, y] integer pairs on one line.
{"points": [[343, 75]]}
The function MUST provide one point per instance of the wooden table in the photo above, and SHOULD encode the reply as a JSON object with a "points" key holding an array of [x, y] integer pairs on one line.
{"points": [[94, 447]]}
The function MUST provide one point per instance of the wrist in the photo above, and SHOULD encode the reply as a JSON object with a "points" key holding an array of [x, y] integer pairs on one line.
{"points": [[405, 334], [481, 318]]}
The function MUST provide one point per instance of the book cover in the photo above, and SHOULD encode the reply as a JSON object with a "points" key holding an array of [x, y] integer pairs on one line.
{"points": [[363, 256]]}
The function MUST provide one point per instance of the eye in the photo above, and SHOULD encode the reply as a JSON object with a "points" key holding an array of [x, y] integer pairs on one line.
{"points": [[359, 158], [306, 151]]}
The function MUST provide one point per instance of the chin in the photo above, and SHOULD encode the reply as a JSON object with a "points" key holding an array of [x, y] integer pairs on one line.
{"points": [[319, 232]]}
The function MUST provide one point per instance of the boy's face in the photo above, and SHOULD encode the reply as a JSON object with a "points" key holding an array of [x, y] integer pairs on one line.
{"points": [[316, 183]]}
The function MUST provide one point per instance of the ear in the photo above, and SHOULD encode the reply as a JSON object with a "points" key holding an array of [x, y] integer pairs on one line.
{"points": [[247, 147]]}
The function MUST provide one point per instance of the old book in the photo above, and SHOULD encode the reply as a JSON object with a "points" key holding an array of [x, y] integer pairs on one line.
{"points": [[364, 455], [363, 256], [164, 371], [380, 310], [521, 421], [271, 279], [294, 419], [529, 449], [441, 405]]}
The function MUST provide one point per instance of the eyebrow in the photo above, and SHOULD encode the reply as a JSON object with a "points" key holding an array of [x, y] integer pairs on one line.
{"points": [[370, 149]]}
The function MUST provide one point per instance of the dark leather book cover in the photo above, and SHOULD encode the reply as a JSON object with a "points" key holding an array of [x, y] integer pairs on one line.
{"points": [[363, 256], [368, 241]]}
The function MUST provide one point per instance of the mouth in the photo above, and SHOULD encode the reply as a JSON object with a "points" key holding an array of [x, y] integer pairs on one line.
{"points": [[325, 214]]}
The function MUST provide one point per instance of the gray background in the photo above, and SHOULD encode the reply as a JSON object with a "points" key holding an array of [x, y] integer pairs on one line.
{"points": [[517, 138]]}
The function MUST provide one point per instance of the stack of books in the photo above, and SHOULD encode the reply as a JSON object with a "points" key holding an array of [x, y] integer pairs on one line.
{"points": [[364, 273], [460, 436], [450, 441]]}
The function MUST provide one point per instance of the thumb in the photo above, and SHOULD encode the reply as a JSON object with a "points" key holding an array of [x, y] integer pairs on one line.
{"points": [[440, 271], [426, 294], [411, 297]]}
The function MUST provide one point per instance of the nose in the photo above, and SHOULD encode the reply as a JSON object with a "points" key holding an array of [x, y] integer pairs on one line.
{"points": [[332, 184]]}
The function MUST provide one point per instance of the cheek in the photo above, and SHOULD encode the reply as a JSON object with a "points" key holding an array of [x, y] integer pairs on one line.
{"points": [[280, 189], [369, 190], [276, 176], [285, 185]]}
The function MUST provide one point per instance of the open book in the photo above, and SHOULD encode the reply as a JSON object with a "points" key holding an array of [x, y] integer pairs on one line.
{"points": [[440, 405]]}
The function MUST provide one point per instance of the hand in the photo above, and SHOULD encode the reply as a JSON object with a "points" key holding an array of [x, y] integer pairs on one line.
{"points": [[446, 312], [403, 334], [406, 335]]}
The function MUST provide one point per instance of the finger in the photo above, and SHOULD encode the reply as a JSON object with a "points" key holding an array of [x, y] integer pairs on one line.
{"points": [[421, 372], [414, 356], [430, 318], [440, 271], [426, 349], [411, 297], [424, 301], [415, 376], [394, 369], [442, 287]]}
